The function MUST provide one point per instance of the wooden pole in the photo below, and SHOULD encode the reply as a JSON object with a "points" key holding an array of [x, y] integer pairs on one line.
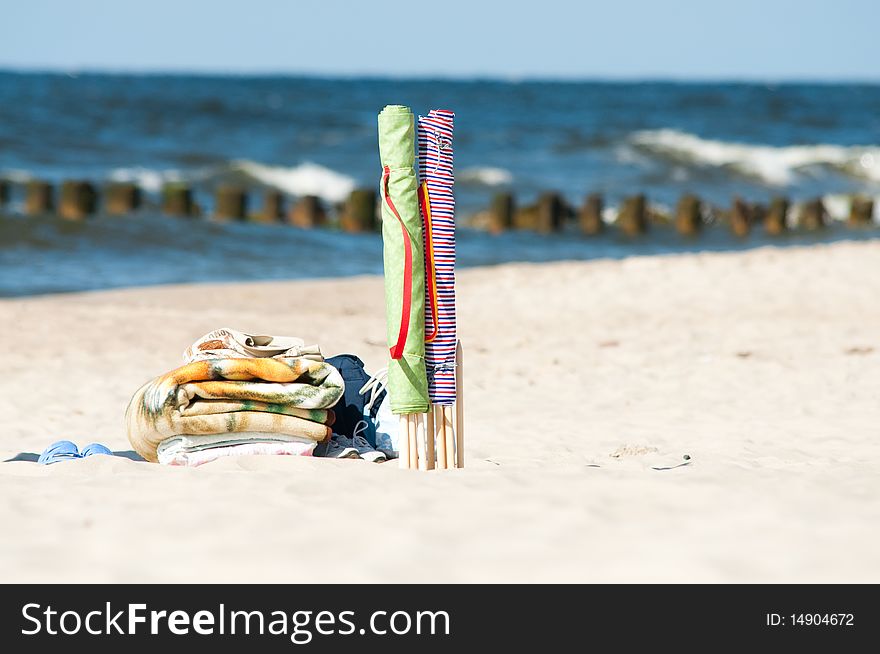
{"points": [[421, 440], [813, 215], [459, 405], [308, 212], [177, 200], [403, 443], [590, 217], [776, 219], [4, 192], [688, 220], [359, 213], [449, 434], [39, 198], [632, 219], [740, 218], [861, 211], [273, 207], [78, 200], [440, 437], [121, 198], [413, 443], [230, 203], [501, 212], [429, 438], [550, 212]]}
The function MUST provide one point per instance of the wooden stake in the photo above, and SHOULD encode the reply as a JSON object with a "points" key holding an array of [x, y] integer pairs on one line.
{"points": [[449, 433], [38, 197], [429, 437], [440, 436], [459, 405], [403, 444], [419, 419], [230, 203], [590, 217], [501, 212], [413, 445]]}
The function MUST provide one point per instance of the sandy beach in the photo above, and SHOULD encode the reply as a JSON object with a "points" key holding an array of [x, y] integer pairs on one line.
{"points": [[587, 384]]}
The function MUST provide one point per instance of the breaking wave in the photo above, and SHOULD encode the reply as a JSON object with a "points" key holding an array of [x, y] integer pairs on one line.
{"points": [[304, 179], [484, 176], [776, 166]]}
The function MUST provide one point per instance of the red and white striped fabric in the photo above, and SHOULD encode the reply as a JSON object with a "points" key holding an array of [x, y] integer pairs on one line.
{"points": [[438, 218]]}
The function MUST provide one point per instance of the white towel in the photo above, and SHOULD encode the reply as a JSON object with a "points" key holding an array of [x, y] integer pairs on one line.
{"points": [[195, 450]]}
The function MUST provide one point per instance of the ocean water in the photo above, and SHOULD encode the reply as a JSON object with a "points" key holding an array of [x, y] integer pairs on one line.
{"points": [[318, 136]]}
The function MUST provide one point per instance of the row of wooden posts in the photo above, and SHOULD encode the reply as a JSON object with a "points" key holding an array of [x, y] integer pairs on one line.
{"points": [[551, 213], [79, 199]]}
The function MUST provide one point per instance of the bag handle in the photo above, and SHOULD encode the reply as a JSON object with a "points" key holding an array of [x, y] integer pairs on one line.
{"points": [[406, 305]]}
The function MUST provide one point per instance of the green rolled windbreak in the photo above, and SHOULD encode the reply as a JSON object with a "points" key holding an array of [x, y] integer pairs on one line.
{"points": [[404, 262]]}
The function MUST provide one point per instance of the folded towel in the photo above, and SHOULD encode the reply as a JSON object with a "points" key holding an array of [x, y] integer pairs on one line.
{"points": [[284, 395], [230, 343], [173, 452], [206, 441], [205, 407]]}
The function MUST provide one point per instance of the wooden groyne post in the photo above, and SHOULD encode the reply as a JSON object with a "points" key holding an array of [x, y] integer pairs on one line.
{"points": [[121, 198], [177, 200], [308, 212], [230, 203], [590, 216], [861, 211], [273, 207], [359, 213], [632, 219], [38, 197], [78, 200], [4, 192], [551, 213], [688, 216], [501, 212], [740, 217], [776, 219], [813, 215]]}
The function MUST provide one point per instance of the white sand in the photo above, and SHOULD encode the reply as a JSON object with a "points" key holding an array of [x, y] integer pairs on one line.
{"points": [[762, 366]]}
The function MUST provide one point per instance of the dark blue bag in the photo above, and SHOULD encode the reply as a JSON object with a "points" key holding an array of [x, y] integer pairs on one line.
{"points": [[349, 409]]}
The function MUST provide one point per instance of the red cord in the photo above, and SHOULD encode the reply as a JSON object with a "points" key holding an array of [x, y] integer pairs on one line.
{"points": [[397, 350]]}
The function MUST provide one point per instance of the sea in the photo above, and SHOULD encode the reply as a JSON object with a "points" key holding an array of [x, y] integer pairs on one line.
{"points": [[317, 136]]}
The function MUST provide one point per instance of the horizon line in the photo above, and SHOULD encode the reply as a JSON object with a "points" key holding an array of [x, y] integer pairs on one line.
{"points": [[74, 72]]}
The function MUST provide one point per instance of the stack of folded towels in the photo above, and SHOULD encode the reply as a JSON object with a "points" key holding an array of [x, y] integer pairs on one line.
{"points": [[236, 394]]}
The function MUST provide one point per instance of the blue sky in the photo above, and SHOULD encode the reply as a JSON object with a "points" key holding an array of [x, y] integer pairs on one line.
{"points": [[682, 39]]}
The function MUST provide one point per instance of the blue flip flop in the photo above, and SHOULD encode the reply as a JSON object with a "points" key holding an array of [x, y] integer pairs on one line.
{"points": [[94, 448], [60, 451]]}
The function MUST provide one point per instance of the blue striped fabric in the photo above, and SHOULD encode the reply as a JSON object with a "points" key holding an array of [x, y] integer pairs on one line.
{"points": [[435, 169]]}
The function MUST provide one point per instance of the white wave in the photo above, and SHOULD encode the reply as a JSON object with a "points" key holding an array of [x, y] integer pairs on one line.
{"points": [[609, 215], [775, 165], [485, 175], [16, 175], [838, 206], [149, 179], [304, 179]]}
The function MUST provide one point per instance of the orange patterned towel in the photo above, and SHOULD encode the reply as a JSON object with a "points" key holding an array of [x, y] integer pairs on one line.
{"points": [[285, 395]]}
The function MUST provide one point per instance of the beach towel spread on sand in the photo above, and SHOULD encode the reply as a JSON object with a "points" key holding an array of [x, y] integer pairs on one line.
{"points": [[437, 202], [283, 395], [404, 262]]}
